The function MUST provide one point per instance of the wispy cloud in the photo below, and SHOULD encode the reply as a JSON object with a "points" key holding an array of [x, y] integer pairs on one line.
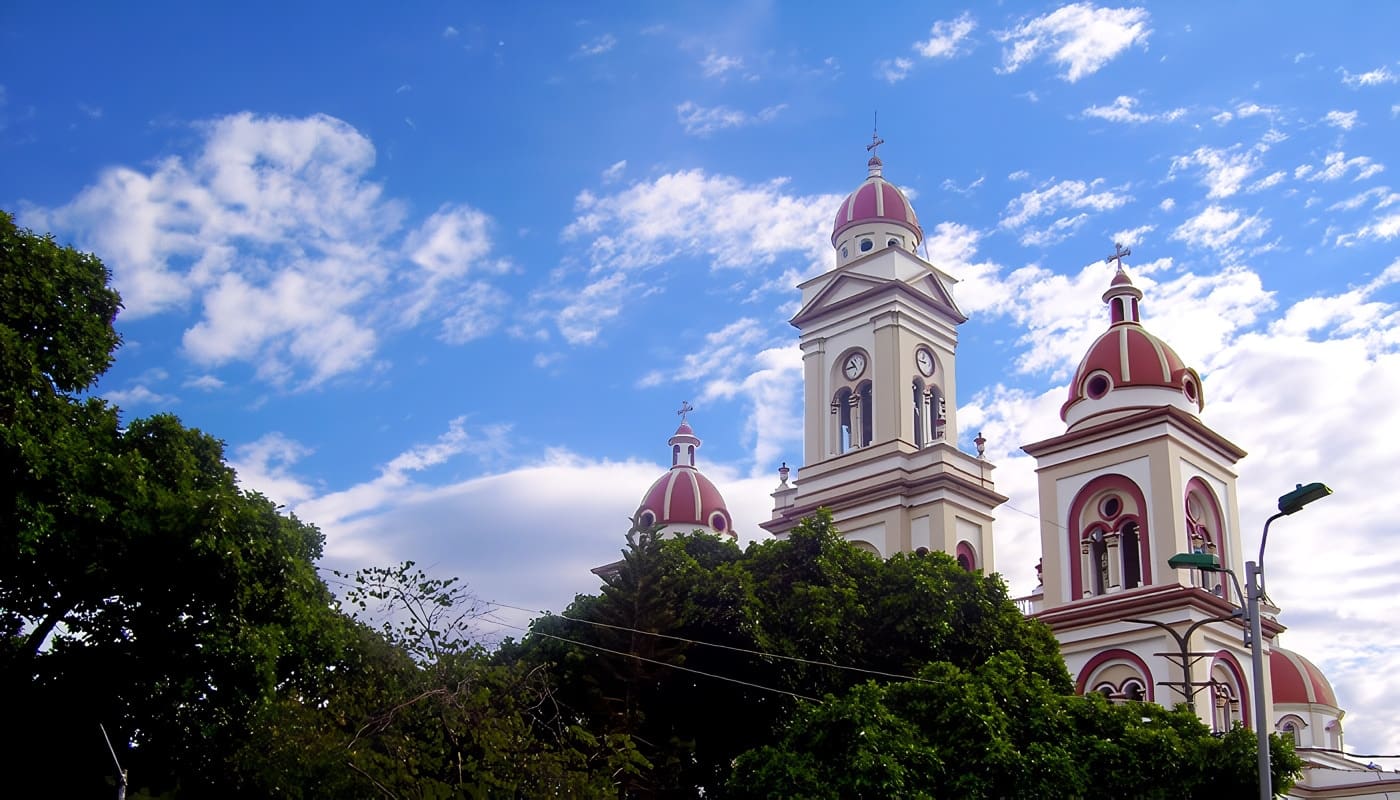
{"points": [[1376, 77], [1346, 120], [1224, 230], [698, 120], [598, 45], [1079, 37], [715, 65], [1124, 109], [894, 70], [1223, 171], [947, 37], [1049, 199]]}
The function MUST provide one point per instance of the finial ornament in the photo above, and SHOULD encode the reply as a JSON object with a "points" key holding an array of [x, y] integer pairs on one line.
{"points": [[1119, 251], [686, 408], [875, 140]]}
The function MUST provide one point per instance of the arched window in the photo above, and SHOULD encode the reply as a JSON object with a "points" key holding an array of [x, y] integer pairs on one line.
{"points": [[967, 556], [690, 451], [1100, 575], [1108, 539], [1123, 671], [937, 414], [865, 393], [1225, 707], [841, 410], [919, 410], [1132, 690], [1292, 727], [1129, 547], [1205, 533], [675, 454], [1227, 692]]}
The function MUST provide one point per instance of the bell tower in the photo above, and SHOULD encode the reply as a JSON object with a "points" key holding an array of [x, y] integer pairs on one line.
{"points": [[1136, 478], [879, 336]]}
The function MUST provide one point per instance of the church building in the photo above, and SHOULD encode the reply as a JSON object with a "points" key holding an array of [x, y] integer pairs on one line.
{"points": [[1136, 477]]}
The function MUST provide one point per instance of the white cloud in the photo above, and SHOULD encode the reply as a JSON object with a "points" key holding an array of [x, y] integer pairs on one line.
{"points": [[1222, 230], [1130, 237], [715, 65], [1167, 204], [614, 173], [1124, 110], [1050, 198], [1383, 196], [139, 395], [1268, 181], [1246, 110], [449, 32], [947, 37], [265, 466], [1384, 228], [1336, 165], [1346, 120], [1376, 77], [271, 228], [734, 224], [1223, 172], [205, 383], [598, 45], [894, 70], [700, 121], [1079, 37]]}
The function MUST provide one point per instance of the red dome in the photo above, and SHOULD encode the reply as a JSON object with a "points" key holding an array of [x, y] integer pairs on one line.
{"points": [[685, 499], [1127, 356], [876, 201], [1297, 680]]}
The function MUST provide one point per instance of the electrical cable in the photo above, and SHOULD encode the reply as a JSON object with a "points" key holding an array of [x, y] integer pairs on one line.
{"points": [[660, 663], [720, 646]]}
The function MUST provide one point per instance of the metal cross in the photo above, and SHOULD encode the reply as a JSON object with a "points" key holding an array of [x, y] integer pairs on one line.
{"points": [[875, 140], [686, 408], [1119, 251]]}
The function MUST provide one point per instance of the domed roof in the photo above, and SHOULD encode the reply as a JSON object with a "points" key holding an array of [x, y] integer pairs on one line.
{"points": [[683, 499], [1125, 360], [877, 201], [1297, 680]]}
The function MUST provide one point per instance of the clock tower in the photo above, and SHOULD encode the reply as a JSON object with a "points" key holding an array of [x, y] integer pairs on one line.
{"points": [[879, 336]]}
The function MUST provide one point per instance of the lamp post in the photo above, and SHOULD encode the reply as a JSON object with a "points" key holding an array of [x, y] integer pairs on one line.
{"points": [[1290, 503]]}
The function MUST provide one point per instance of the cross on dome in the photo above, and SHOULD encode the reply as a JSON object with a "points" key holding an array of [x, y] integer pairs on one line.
{"points": [[686, 408], [1119, 251]]}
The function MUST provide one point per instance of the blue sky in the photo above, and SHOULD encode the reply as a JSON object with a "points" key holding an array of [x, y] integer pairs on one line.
{"points": [[440, 276]]}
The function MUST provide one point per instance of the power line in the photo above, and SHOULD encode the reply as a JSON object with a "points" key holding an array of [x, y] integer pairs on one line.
{"points": [[661, 663], [720, 646]]}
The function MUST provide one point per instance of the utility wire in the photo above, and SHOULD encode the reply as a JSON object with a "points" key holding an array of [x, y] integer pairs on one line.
{"points": [[721, 646], [661, 663]]}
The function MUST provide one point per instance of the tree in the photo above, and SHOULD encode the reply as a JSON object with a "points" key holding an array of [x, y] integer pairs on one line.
{"points": [[997, 730], [139, 586]]}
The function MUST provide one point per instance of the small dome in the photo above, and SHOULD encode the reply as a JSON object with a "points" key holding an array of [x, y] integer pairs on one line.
{"points": [[1127, 367], [1297, 680], [876, 201], [683, 499]]}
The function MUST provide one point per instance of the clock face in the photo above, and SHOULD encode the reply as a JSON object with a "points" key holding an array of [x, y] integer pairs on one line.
{"points": [[924, 360], [855, 365]]}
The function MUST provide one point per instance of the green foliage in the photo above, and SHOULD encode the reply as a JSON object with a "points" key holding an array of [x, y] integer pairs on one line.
{"points": [[811, 598], [996, 730]]}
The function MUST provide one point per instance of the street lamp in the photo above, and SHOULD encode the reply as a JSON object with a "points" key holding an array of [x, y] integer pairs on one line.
{"points": [[1290, 503]]}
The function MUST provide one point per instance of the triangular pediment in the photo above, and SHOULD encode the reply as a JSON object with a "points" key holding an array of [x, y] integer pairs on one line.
{"points": [[889, 271]]}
